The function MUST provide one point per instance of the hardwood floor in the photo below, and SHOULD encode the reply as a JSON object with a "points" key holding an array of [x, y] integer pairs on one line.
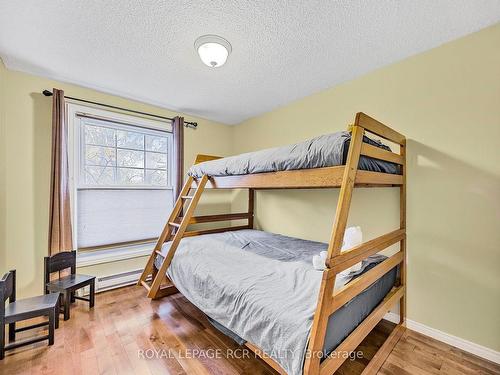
{"points": [[125, 330]]}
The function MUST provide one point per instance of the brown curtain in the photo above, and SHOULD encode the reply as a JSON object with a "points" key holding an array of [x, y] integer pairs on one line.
{"points": [[178, 132], [60, 235]]}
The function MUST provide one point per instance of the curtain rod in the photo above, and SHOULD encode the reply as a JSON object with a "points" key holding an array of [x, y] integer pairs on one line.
{"points": [[187, 124]]}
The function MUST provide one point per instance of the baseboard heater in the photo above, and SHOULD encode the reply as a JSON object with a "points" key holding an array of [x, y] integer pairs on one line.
{"points": [[114, 281]]}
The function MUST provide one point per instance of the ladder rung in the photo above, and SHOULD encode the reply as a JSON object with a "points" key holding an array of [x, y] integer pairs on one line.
{"points": [[174, 224], [159, 253], [145, 285], [186, 197]]}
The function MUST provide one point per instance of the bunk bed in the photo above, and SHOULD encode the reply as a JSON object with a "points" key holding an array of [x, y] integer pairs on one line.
{"points": [[260, 288]]}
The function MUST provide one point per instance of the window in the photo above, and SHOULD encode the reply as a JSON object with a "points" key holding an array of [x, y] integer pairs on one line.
{"points": [[122, 156], [121, 176]]}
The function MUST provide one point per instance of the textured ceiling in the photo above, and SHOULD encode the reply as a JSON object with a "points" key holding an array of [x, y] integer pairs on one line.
{"points": [[282, 50]]}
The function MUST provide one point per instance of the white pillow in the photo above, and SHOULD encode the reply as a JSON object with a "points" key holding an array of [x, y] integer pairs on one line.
{"points": [[353, 236]]}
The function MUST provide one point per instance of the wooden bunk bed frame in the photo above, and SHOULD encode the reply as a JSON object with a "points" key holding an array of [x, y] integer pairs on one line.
{"points": [[345, 177]]}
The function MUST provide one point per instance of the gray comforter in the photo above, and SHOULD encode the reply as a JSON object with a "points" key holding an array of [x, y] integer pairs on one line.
{"points": [[323, 151], [259, 285]]}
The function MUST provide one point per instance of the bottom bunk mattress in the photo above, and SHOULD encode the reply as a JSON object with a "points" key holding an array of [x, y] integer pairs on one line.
{"points": [[261, 287]]}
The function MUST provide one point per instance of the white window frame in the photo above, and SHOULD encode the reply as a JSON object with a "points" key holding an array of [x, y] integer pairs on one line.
{"points": [[73, 118]]}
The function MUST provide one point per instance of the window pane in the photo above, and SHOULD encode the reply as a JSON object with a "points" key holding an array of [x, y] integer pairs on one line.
{"points": [[130, 176], [156, 178], [156, 160], [129, 158], [98, 155], [99, 175], [155, 143], [130, 140], [121, 155], [98, 135]]}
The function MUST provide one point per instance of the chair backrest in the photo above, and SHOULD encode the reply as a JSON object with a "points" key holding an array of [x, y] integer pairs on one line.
{"points": [[59, 262], [7, 289]]}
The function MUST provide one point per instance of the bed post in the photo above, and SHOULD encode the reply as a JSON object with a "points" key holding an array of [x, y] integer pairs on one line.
{"points": [[320, 322], [251, 207], [402, 226]]}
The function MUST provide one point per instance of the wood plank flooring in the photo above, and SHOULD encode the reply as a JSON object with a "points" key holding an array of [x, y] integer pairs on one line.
{"points": [[125, 330]]}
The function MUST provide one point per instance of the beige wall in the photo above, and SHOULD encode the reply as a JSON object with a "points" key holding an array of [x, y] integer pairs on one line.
{"points": [[25, 117], [447, 102]]}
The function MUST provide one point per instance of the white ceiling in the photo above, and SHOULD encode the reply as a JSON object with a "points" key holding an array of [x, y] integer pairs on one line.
{"points": [[282, 50]]}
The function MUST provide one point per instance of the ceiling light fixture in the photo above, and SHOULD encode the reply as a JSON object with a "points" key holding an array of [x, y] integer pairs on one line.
{"points": [[213, 50]]}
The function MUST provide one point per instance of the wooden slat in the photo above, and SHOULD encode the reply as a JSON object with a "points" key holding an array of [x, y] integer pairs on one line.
{"points": [[369, 178], [345, 194], [350, 257], [302, 178], [214, 218], [200, 158], [332, 363], [271, 362], [356, 286], [174, 224], [328, 177], [145, 284], [216, 230], [376, 127], [381, 154], [383, 352]]}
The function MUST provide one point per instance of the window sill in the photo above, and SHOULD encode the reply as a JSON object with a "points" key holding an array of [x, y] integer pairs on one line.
{"points": [[90, 258]]}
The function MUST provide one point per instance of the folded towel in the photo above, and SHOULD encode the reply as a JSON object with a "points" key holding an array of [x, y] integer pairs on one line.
{"points": [[352, 237], [319, 261]]}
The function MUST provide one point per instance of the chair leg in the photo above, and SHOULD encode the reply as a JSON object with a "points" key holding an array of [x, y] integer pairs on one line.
{"points": [[92, 294], [56, 317], [2, 340], [67, 302], [52, 325], [12, 332]]}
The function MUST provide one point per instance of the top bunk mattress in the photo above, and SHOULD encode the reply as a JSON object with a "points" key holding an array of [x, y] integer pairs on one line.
{"points": [[324, 151]]}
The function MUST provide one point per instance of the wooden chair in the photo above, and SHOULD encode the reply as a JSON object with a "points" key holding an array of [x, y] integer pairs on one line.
{"points": [[15, 311], [67, 285]]}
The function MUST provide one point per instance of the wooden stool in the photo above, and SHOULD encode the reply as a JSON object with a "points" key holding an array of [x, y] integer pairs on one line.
{"points": [[15, 311], [67, 285]]}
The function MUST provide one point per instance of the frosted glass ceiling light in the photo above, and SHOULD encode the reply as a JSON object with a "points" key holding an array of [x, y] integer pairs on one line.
{"points": [[213, 50]]}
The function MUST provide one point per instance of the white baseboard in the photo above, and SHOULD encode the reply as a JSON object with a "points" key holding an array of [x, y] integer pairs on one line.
{"points": [[117, 280], [113, 281], [457, 342]]}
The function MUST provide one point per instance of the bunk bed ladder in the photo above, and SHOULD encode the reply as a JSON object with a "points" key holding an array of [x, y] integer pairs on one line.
{"points": [[173, 231]]}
